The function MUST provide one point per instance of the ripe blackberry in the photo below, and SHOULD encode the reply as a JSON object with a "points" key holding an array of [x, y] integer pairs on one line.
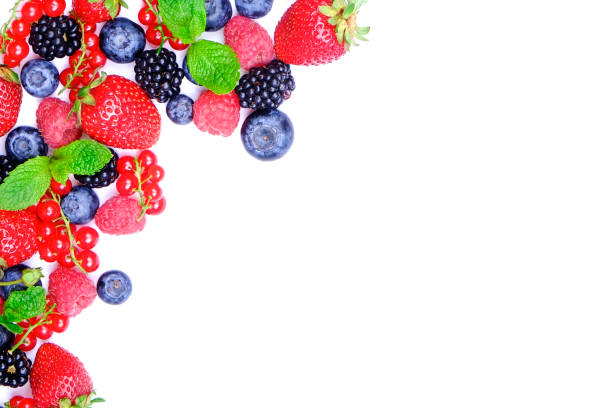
{"points": [[158, 74], [14, 368], [104, 177], [266, 87], [6, 166], [55, 37]]}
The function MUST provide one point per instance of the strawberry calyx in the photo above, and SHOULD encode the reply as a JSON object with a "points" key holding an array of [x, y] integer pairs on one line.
{"points": [[343, 16], [82, 401], [8, 74], [85, 97], [112, 6]]}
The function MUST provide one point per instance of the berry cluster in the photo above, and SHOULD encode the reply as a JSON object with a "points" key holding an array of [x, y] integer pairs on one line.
{"points": [[157, 32], [41, 327], [55, 37], [141, 175], [158, 74], [266, 87]]}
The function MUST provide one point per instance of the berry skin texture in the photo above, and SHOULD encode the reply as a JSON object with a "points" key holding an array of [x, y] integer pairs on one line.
{"points": [[114, 287], [180, 109], [103, 178], [57, 374], [18, 236], [72, 290], [39, 78], [250, 41], [56, 129], [267, 135], [55, 37], [123, 117], [119, 216], [14, 368], [121, 40], [303, 36], [218, 13], [93, 12], [158, 74], [11, 95], [217, 114], [266, 87], [80, 205], [254, 8], [25, 142], [6, 338]]}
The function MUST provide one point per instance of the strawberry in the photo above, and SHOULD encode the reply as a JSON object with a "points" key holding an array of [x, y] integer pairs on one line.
{"points": [[96, 11], [315, 32], [119, 114], [18, 236], [57, 374], [10, 99]]}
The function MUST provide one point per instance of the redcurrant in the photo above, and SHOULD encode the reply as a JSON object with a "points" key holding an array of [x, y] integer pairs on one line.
{"points": [[26, 403], [29, 341], [48, 210], [65, 260], [54, 8], [61, 189], [20, 28], [157, 207], [18, 49], [125, 164], [43, 332], [91, 41], [86, 237], [146, 16], [46, 254], [59, 322], [154, 36], [178, 45], [15, 400], [127, 184], [152, 191], [147, 158], [31, 11], [154, 173], [89, 260], [58, 244]]}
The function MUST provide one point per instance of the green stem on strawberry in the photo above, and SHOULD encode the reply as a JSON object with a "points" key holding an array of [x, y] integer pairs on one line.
{"points": [[3, 32], [31, 328], [82, 401], [145, 203], [343, 16], [84, 95], [82, 58], [159, 26], [71, 238]]}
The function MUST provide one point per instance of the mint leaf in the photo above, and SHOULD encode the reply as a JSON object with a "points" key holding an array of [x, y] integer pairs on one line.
{"points": [[85, 157], [186, 19], [25, 304], [26, 184], [214, 66], [10, 326]]}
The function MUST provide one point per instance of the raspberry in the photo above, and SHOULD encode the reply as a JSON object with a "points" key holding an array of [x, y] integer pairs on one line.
{"points": [[55, 128], [217, 114], [250, 41], [119, 216], [72, 290]]}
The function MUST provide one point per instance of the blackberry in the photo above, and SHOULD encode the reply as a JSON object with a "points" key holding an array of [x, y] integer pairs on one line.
{"points": [[104, 177], [266, 87], [14, 368], [6, 166], [158, 74], [55, 37]]}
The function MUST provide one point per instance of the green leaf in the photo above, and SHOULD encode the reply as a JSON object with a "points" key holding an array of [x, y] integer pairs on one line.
{"points": [[328, 11], [10, 326], [83, 157], [186, 19], [112, 6], [26, 184], [214, 66], [25, 304]]}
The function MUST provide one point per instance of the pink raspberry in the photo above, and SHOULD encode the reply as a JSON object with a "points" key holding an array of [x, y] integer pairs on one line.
{"points": [[250, 41], [55, 128], [119, 216], [72, 290], [217, 114]]}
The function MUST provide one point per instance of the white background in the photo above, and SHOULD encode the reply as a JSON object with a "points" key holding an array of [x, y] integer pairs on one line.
{"points": [[438, 236]]}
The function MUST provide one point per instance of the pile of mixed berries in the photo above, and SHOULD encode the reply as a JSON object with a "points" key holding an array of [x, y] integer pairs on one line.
{"points": [[86, 167]]}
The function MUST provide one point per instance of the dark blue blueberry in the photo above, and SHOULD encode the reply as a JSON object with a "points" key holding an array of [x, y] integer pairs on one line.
{"points": [[254, 8], [80, 204], [13, 274], [25, 142], [121, 39], [267, 134], [187, 73], [180, 109], [218, 13], [39, 78], [6, 338], [114, 287]]}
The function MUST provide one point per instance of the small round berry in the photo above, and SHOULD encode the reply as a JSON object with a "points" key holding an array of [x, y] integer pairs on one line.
{"points": [[43, 332], [54, 8], [31, 11], [178, 45], [157, 207], [61, 189], [125, 164], [20, 28], [147, 158], [59, 322], [127, 184], [154, 173], [46, 254], [14, 401], [152, 191], [18, 49], [91, 41], [58, 244], [66, 260], [28, 343], [46, 229], [61, 229], [86, 237], [48, 210], [154, 36], [10, 62], [146, 16], [114, 287], [26, 403], [90, 27], [88, 260], [97, 59], [65, 76]]}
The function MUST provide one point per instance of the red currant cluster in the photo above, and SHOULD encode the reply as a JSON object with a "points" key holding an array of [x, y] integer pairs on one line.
{"points": [[157, 32], [141, 175], [61, 241], [41, 327], [20, 402]]}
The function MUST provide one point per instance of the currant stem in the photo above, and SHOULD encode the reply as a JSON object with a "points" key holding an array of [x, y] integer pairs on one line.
{"points": [[144, 201], [69, 232], [81, 60], [31, 328], [5, 27], [159, 26]]}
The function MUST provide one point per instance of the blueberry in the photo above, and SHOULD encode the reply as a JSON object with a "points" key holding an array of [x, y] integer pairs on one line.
{"points": [[121, 39], [114, 287], [39, 78], [25, 142], [187, 73], [6, 338], [267, 134], [80, 205], [180, 109], [218, 13], [13, 274], [254, 8]]}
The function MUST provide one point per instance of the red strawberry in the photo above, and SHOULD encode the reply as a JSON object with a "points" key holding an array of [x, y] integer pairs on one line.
{"points": [[18, 236], [10, 99], [57, 374], [96, 11], [315, 32], [122, 115]]}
